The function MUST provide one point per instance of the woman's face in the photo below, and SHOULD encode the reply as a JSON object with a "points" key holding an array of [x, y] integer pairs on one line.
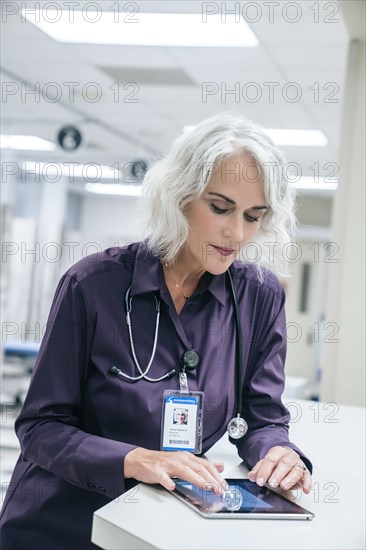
{"points": [[226, 217], [181, 417]]}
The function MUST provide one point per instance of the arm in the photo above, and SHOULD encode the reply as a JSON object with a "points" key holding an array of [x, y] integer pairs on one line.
{"points": [[267, 417], [48, 425]]}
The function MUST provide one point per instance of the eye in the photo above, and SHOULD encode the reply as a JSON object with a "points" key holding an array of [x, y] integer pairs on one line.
{"points": [[250, 219], [219, 210]]}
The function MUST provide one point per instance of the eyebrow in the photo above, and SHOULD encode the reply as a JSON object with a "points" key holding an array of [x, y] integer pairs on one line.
{"points": [[230, 201]]}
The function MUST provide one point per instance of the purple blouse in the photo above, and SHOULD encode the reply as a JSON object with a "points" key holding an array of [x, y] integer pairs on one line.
{"points": [[79, 421]]}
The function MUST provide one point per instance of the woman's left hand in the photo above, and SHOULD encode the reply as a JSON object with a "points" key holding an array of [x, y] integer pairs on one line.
{"points": [[282, 467]]}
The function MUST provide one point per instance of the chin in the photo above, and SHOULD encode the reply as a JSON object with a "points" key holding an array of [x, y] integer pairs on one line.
{"points": [[218, 267]]}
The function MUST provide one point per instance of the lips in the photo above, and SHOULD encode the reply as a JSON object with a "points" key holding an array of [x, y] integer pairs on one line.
{"points": [[224, 251]]}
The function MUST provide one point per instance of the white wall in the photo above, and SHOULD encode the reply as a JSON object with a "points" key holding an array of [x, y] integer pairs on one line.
{"points": [[111, 220], [344, 368]]}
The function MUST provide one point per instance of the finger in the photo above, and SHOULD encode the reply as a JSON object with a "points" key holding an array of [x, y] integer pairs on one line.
{"points": [[252, 475], [219, 466], [285, 468], [304, 484], [307, 482], [276, 465], [193, 469], [196, 470], [269, 463], [211, 468], [209, 472], [199, 476], [215, 473], [295, 476], [166, 481]]}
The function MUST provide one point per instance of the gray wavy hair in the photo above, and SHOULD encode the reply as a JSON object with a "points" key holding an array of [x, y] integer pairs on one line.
{"points": [[181, 177]]}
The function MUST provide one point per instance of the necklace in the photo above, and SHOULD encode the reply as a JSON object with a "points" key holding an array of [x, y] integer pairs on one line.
{"points": [[186, 296]]}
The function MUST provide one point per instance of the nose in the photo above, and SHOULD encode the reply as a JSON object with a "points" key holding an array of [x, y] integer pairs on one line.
{"points": [[235, 229]]}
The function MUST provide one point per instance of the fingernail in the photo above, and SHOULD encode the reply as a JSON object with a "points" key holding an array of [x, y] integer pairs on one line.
{"points": [[260, 481], [251, 477], [273, 483]]}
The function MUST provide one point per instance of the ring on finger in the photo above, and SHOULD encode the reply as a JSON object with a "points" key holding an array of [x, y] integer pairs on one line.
{"points": [[299, 465]]}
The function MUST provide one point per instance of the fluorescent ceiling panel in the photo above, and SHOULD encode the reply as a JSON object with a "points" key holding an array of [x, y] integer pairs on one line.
{"points": [[323, 184], [149, 77], [307, 138], [305, 183], [73, 170], [26, 143], [143, 29], [114, 189]]}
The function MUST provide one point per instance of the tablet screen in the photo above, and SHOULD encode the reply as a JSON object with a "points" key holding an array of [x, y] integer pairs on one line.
{"points": [[243, 497]]}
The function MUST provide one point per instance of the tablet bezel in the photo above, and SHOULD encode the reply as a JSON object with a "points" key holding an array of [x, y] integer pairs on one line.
{"points": [[299, 512]]}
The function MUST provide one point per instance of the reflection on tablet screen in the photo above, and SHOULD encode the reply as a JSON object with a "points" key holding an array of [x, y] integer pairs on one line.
{"points": [[241, 497], [210, 502]]}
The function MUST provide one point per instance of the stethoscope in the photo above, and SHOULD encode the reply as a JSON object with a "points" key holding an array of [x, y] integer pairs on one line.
{"points": [[237, 426]]}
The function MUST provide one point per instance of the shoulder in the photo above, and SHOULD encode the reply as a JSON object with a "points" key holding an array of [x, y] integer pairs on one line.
{"points": [[111, 260], [247, 274]]}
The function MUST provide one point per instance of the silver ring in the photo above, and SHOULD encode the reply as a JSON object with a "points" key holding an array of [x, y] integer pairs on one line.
{"points": [[302, 466]]}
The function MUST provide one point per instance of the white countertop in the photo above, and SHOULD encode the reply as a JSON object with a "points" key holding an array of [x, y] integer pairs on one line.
{"points": [[334, 439]]}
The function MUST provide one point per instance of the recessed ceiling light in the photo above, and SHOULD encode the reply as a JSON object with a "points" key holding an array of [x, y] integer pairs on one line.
{"points": [[28, 143], [143, 29]]}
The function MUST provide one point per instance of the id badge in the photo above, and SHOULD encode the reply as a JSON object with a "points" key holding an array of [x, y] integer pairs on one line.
{"points": [[182, 421]]}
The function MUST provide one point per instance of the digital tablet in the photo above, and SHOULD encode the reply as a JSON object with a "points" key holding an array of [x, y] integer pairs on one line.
{"points": [[242, 499]]}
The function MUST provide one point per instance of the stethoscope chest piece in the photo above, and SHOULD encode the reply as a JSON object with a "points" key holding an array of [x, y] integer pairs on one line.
{"points": [[190, 359], [237, 427], [232, 499]]}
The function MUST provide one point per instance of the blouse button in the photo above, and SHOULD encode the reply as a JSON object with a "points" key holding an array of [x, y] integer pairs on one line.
{"points": [[102, 489], [190, 307]]}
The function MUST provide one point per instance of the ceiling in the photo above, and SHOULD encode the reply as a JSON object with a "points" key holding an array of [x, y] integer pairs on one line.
{"points": [[161, 87]]}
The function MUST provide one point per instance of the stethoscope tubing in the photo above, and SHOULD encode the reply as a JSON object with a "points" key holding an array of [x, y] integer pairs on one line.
{"points": [[239, 358], [143, 374]]}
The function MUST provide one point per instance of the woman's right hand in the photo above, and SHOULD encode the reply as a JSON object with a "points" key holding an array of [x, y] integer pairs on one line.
{"points": [[161, 466]]}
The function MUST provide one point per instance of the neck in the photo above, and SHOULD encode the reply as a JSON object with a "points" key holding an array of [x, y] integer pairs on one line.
{"points": [[182, 278], [183, 274]]}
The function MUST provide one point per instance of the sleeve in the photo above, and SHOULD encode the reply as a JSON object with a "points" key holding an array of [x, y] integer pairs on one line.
{"points": [[48, 425], [267, 417]]}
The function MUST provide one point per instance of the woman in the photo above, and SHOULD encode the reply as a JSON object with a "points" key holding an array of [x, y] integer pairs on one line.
{"points": [[83, 431], [180, 417]]}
